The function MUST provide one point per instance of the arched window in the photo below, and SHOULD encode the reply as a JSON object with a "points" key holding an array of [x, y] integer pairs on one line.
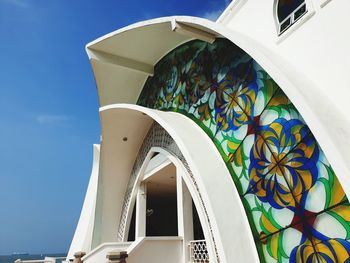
{"points": [[295, 204], [288, 12]]}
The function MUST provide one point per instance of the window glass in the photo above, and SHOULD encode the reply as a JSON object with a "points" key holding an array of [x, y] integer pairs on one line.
{"points": [[294, 202], [286, 7]]}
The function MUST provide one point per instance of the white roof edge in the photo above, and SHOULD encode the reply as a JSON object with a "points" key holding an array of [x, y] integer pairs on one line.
{"points": [[230, 10], [299, 87], [167, 19]]}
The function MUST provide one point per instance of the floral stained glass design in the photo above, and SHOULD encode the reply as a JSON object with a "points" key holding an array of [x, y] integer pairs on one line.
{"points": [[296, 207]]}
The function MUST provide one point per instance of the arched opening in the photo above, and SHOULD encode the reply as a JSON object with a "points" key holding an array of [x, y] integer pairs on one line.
{"points": [[164, 208], [161, 202], [288, 12]]}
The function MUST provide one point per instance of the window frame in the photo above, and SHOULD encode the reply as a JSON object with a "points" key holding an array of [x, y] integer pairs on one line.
{"points": [[291, 17], [281, 35], [323, 3]]}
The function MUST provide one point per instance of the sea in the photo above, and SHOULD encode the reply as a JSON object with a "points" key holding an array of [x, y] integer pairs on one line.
{"points": [[13, 258]]}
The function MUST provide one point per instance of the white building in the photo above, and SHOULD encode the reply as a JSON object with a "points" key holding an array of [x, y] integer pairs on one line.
{"points": [[223, 141]]}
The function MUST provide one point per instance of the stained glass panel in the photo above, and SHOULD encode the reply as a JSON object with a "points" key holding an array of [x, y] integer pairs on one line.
{"points": [[297, 209]]}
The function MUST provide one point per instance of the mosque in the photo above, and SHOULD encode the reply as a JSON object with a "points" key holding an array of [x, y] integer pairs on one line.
{"points": [[224, 141]]}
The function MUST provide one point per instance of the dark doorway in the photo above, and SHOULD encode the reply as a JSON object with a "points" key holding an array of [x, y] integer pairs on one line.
{"points": [[131, 234], [197, 227], [161, 213]]}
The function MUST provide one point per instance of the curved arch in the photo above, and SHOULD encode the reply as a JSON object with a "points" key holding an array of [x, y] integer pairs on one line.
{"points": [[304, 94], [274, 160], [213, 189], [180, 163]]}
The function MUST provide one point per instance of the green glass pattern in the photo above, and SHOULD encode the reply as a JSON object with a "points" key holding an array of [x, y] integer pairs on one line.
{"points": [[296, 207]]}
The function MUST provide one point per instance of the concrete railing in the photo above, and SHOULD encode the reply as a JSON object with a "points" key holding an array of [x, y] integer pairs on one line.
{"points": [[156, 250], [98, 255], [116, 256], [147, 249]]}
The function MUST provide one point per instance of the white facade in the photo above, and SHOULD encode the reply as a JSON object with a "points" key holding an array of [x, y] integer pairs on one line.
{"points": [[309, 61]]}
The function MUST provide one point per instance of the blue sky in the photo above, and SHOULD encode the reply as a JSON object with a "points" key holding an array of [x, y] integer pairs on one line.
{"points": [[49, 111]]}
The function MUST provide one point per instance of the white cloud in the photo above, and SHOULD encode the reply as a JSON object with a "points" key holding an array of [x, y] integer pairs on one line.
{"points": [[53, 119], [149, 15], [18, 3], [212, 15]]}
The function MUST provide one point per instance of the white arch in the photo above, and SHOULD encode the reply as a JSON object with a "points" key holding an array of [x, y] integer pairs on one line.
{"points": [[83, 233], [196, 197], [230, 227], [329, 124]]}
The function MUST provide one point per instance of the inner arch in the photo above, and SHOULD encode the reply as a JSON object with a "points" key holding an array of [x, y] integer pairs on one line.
{"points": [[288, 188]]}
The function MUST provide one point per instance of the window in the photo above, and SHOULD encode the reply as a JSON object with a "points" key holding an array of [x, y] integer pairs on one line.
{"points": [[288, 12]]}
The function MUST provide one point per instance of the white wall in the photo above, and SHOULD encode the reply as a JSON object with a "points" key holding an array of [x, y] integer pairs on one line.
{"points": [[83, 233], [150, 250], [116, 162], [213, 189], [311, 63], [157, 250], [318, 47]]}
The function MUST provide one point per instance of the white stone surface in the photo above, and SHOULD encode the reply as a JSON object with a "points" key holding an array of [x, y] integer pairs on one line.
{"points": [[213, 179], [83, 233], [310, 62]]}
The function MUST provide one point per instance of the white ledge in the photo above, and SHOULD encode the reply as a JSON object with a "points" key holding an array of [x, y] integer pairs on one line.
{"points": [[190, 31], [121, 61], [112, 245]]}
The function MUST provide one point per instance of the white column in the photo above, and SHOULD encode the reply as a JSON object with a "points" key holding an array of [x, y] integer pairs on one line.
{"points": [[184, 213], [141, 203]]}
